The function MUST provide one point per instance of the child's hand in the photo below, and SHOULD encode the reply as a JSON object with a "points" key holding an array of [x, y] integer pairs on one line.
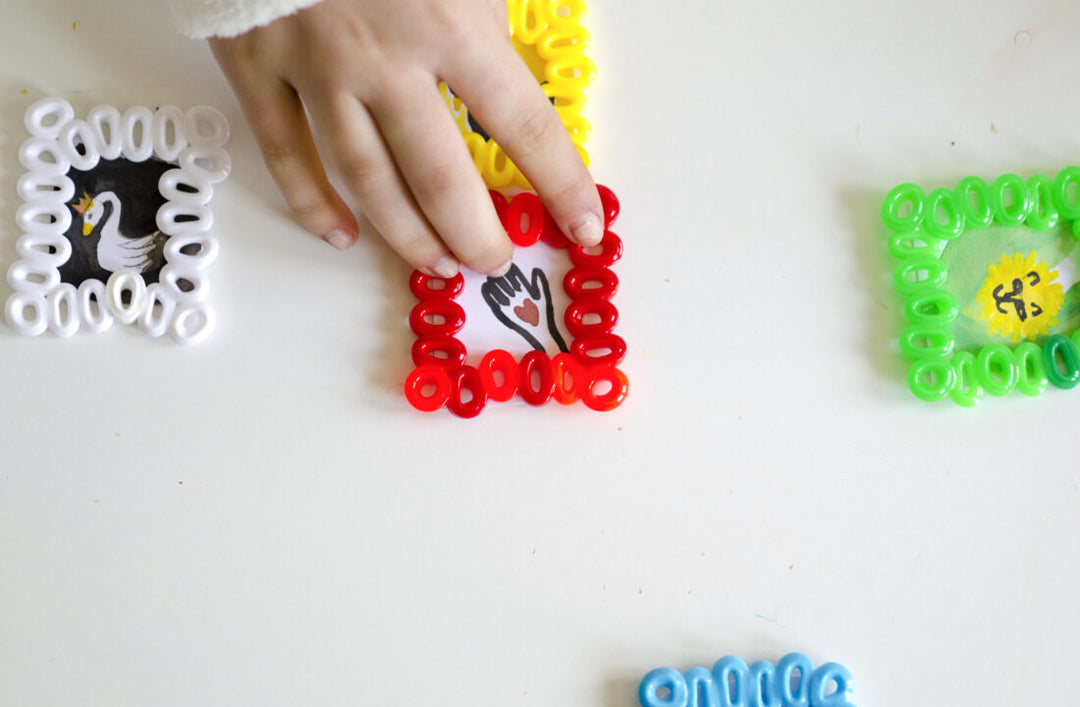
{"points": [[367, 71]]}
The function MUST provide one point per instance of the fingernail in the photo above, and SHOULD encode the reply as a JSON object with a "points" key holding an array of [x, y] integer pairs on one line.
{"points": [[339, 239], [446, 267], [588, 230], [502, 269]]}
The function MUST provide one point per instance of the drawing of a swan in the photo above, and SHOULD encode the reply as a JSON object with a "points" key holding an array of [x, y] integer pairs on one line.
{"points": [[116, 250]]}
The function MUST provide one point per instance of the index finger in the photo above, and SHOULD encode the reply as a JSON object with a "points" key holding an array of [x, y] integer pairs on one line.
{"points": [[500, 91]]}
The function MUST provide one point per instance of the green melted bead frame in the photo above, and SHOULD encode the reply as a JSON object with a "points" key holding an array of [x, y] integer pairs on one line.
{"points": [[922, 226]]}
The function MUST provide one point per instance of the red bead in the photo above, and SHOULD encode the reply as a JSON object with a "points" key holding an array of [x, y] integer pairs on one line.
{"points": [[499, 361], [528, 205], [552, 234], [422, 377], [609, 400], [564, 366], [610, 252], [583, 347], [575, 281], [610, 202], [425, 348], [539, 363], [499, 202], [451, 313], [421, 286], [468, 379], [579, 309]]}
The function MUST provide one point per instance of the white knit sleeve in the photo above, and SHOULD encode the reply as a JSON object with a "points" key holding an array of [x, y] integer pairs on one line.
{"points": [[199, 19]]}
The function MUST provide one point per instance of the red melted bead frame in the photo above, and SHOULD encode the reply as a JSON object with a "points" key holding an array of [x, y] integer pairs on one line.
{"points": [[443, 379]]}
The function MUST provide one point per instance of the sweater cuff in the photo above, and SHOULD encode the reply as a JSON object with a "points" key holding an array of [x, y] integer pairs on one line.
{"points": [[200, 19]]}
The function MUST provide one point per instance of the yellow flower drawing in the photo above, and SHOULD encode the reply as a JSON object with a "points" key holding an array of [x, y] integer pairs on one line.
{"points": [[1020, 298]]}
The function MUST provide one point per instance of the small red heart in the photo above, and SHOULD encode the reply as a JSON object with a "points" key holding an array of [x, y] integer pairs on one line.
{"points": [[528, 312]]}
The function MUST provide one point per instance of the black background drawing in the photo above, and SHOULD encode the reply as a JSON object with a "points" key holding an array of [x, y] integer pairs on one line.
{"points": [[136, 185]]}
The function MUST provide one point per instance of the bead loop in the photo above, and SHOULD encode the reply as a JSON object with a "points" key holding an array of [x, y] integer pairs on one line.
{"points": [[420, 380], [466, 380]]}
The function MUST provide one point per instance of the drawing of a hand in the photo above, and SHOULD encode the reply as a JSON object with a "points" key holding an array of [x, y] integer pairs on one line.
{"points": [[525, 306]]}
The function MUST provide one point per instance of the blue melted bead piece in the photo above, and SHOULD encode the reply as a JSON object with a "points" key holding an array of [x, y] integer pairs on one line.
{"points": [[792, 682]]}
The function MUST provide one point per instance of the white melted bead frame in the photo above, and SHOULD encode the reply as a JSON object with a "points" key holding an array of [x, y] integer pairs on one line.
{"points": [[192, 141]]}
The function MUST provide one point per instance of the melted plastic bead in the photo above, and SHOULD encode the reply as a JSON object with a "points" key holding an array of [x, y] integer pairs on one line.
{"points": [[1044, 214], [426, 287], [526, 207], [552, 235], [498, 363], [63, 310], [569, 378], [906, 275], [426, 350], [932, 308], [610, 248], [610, 399], [46, 117], [915, 243], [1010, 212], [585, 349], [931, 379], [967, 391], [466, 380], [1031, 369], [449, 316], [926, 340], [610, 202], [420, 379], [996, 369], [979, 216], [536, 362], [27, 313], [909, 196], [1066, 375], [606, 283], [1067, 184], [602, 310], [192, 323], [941, 201]]}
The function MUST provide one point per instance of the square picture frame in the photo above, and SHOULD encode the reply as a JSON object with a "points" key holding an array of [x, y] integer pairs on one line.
{"points": [[585, 369], [115, 220], [988, 275]]}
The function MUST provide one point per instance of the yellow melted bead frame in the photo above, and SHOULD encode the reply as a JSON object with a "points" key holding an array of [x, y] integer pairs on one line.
{"points": [[978, 272], [550, 37]]}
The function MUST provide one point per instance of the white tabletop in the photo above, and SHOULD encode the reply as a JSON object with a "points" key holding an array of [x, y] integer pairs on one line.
{"points": [[262, 519]]}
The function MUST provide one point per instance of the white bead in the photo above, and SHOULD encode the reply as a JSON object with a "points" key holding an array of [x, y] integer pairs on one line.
{"points": [[33, 275], [75, 133], [63, 310], [185, 331], [211, 164], [169, 116], [206, 127], [37, 115], [181, 219], [16, 308], [155, 320], [137, 149], [30, 156], [44, 217], [132, 282], [45, 187], [94, 312], [37, 246], [204, 245], [100, 117], [170, 182]]}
